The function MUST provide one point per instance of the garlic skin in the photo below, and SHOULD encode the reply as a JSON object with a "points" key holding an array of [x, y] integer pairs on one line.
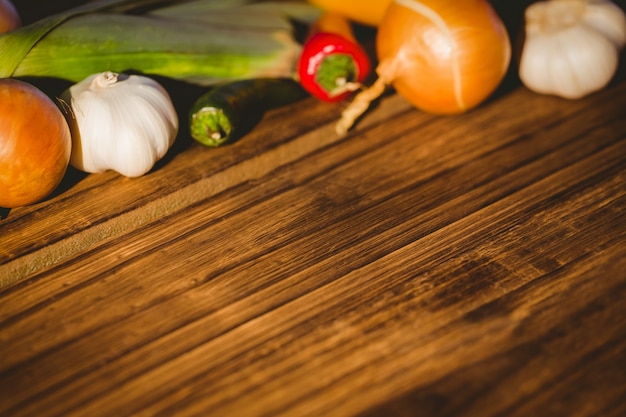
{"points": [[572, 47], [120, 122]]}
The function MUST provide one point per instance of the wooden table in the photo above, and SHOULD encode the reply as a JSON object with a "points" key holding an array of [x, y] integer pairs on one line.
{"points": [[468, 265]]}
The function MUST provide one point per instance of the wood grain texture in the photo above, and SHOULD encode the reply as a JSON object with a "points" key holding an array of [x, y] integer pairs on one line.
{"points": [[471, 265]]}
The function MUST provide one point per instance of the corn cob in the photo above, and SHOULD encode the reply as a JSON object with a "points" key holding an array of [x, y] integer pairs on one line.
{"points": [[367, 12], [201, 41]]}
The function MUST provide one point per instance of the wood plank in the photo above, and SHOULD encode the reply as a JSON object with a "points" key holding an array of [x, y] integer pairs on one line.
{"points": [[90, 306]]}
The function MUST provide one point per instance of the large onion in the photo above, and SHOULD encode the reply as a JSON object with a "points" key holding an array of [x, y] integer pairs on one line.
{"points": [[443, 56], [35, 144]]}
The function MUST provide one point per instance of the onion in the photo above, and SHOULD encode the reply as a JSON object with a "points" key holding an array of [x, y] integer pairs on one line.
{"points": [[443, 56], [9, 18], [35, 144]]}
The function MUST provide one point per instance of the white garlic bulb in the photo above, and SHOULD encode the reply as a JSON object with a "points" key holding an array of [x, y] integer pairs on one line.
{"points": [[120, 122], [572, 47]]}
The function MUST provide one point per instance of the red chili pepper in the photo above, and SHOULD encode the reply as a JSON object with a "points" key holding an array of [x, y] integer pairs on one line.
{"points": [[332, 63]]}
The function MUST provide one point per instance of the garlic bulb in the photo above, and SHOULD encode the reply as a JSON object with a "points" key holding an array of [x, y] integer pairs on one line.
{"points": [[120, 122], [572, 47]]}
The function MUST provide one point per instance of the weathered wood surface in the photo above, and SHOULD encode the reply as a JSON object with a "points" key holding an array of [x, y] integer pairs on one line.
{"points": [[470, 265]]}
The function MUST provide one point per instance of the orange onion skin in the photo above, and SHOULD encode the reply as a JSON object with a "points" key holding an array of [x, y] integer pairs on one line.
{"points": [[9, 18], [35, 144], [443, 56]]}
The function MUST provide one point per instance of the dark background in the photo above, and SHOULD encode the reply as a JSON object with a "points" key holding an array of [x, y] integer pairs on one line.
{"points": [[31, 10]]}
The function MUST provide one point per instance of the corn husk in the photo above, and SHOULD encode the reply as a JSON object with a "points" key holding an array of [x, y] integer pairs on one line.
{"points": [[200, 41]]}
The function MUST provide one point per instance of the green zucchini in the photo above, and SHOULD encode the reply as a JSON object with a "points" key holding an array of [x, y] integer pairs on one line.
{"points": [[222, 114]]}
